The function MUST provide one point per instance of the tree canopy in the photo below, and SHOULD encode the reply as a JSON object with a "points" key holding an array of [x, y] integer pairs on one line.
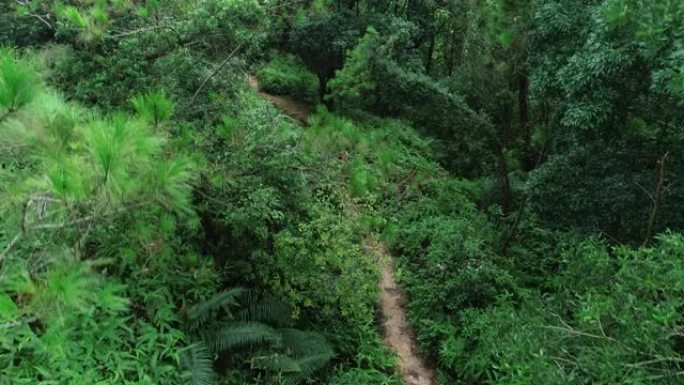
{"points": [[514, 165]]}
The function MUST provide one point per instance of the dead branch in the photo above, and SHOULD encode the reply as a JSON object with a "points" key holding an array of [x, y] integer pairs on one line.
{"points": [[660, 187], [214, 72]]}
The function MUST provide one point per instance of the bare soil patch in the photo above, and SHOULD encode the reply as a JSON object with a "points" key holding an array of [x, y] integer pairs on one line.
{"points": [[398, 333]]}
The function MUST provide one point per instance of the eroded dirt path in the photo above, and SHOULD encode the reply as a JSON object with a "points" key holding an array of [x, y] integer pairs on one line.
{"points": [[398, 334], [292, 108]]}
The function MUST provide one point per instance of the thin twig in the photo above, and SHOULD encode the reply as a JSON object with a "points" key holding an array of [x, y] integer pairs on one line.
{"points": [[579, 333], [214, 72], [136, 31], [37, 16], [51, 226], [9, 247], [656, 201], [83, 219], [13, 324], [645, 191], [655, 361]]}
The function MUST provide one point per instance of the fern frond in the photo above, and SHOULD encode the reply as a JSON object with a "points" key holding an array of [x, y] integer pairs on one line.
{"points": [[310, 352], [279, 363], [301, 343], [243, 334], [199, 314], [268, 310], [199, 363], [307, 367]]}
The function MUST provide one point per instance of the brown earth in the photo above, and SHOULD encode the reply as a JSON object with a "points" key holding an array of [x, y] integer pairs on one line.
{"points": [[397, 332], [291, 107]]}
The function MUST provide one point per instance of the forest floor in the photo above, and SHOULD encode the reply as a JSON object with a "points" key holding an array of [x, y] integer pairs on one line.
{"points": [[397, 333]]}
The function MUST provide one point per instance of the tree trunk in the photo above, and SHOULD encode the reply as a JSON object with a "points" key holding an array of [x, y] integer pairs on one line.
{"points": [[430, 53], [505, 183], [524, 119], [322, 87], [656, 200], [452, 49]]}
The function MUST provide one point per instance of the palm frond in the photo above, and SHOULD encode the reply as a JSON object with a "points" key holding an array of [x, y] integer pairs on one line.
{"points": [[199, 363], [309, 351], [199, 314], [300, 343], [295, 369], [242, 334]]}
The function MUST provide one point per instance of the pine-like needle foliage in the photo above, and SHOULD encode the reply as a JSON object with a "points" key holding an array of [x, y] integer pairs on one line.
{"points": [[68, 177], [17, 83], [155, 107]]}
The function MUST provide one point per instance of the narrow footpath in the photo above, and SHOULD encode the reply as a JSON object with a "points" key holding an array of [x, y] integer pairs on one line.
{"points": [[397, 333], [290, 107]]}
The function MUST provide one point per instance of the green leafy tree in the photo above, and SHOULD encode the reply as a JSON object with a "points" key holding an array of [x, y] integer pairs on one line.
{"points": [[321, 41]]}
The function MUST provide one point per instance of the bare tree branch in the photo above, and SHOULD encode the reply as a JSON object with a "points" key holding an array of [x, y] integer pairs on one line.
{"points": [[42, 18], [25, 229], [214, 72], [10, 245], [136, 31]]}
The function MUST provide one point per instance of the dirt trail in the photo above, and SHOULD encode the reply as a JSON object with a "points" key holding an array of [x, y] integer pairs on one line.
{"points": [[397, 333], [293, 108]]}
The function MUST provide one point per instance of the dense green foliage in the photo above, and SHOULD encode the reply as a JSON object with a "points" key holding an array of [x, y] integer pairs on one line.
{"points": [[162, 223], [287, 75]]}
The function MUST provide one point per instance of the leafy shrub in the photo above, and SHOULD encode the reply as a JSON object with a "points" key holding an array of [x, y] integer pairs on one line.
{"points": [[612, 320], [287, 75]]}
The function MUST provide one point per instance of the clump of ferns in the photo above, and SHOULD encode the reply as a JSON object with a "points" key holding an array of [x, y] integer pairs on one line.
{"points": [[241, 321]]}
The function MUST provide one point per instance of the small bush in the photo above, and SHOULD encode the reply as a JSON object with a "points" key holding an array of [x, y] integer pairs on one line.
{"points": [[287, 75]]}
